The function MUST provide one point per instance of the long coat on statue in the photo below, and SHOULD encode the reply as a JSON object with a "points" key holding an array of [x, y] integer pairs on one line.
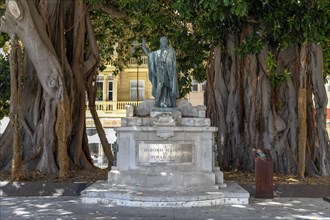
{"points": [[163, 76]]}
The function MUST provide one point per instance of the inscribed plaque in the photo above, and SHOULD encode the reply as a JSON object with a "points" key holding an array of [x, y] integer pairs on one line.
{"points": [[165, 153]]}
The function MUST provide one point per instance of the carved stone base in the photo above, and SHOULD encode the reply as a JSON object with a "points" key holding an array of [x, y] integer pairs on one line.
{"points": [[165, 117], [186, 109]]}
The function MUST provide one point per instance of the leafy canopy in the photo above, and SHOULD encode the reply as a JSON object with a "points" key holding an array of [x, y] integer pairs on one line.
{"points": [[195, 27]]}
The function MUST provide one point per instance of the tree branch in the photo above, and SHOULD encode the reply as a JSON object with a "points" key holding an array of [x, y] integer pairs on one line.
{"points": [[110, 10], [27, 24], [93, 56]]}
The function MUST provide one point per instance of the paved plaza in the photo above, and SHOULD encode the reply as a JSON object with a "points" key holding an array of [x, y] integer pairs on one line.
{"points": [[71, 208]]}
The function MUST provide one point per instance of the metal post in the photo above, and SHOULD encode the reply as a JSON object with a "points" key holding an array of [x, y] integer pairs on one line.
{"points": [[135, 44], [137, 81]]}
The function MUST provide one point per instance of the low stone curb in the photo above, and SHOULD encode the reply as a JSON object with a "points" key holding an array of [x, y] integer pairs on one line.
{"points": [[294, 190]]}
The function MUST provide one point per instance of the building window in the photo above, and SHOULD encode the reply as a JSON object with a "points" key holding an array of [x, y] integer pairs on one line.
{"points": [[99, 88], [110, 90], [194, 86], [203, 86], [135, 89]]}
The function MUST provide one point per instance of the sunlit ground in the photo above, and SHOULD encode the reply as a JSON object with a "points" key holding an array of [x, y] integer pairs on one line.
{"points": [[71, 208]]}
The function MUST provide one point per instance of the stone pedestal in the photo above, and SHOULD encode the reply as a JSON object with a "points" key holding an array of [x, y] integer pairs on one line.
{"points": [[166, 159]]}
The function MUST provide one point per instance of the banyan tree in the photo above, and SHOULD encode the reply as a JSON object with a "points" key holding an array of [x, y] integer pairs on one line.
{"points": [[265, 63], [54, 62]]}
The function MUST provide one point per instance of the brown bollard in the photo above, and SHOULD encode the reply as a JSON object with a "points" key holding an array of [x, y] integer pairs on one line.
{"points": [[263, 173]]}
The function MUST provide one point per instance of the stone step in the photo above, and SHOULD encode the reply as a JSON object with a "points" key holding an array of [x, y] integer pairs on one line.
{"points": [[104, 193]]}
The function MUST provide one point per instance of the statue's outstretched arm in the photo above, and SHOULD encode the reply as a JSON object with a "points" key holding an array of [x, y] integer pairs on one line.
{"points": [[146, 51]]}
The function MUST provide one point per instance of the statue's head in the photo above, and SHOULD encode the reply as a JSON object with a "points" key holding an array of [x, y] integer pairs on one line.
{"points": [[163, 42]]}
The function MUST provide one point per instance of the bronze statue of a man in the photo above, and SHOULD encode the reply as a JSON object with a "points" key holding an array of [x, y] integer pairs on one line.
{"points": [[162, 74]]}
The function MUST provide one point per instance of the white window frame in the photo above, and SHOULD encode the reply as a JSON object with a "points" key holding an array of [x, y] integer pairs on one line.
{"points": [[194, 86], [203, 86], [110, 82], [99, 79]]}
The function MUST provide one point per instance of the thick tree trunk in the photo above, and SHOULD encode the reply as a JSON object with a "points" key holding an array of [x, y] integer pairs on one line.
{"points": [[57, 70], [15, 115], [320, 148], [250, 113], [302, 113]]}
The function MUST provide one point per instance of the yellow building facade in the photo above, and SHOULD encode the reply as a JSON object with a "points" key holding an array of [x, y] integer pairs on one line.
{"points": [[114, 93]]}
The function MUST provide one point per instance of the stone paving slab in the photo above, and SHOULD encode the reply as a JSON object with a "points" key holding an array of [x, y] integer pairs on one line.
{"points": [[71, 208], [41, 189], [74, 189]]}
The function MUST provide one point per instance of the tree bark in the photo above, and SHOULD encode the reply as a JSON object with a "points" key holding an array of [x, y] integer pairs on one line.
{"points": [[321, 151], [16, 80], [302, 102], [250, 113]]}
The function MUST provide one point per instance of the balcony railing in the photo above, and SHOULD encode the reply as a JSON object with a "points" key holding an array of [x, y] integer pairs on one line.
{"points": [[110, 106], [133, 61]]}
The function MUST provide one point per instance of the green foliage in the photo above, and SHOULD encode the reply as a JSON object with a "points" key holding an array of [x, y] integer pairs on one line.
{"points": [[4, 72], [195, 27], [110, 35], [278, 23], [4, 86], [326, 58], [185, 84], [278, 79], [270, 63], [294, 22], [275, 78], [99, 93], [252, 44], [151, 20]]}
